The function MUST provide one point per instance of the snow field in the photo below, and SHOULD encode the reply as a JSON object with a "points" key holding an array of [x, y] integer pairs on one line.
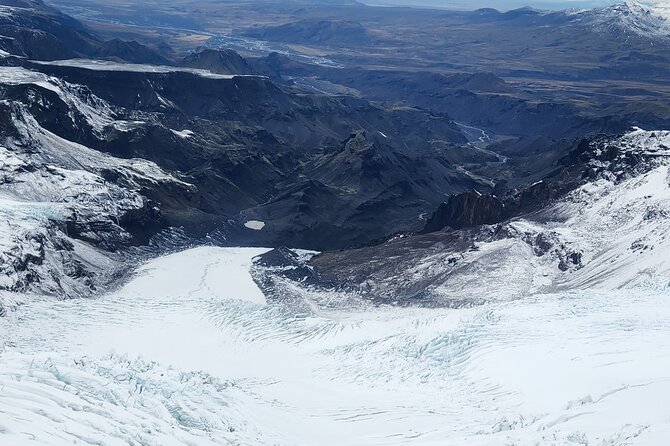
{"points": [[189, 352]]}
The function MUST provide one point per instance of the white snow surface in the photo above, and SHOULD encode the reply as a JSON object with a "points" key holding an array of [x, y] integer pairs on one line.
{"points": [[189, 353], [620, 228]]}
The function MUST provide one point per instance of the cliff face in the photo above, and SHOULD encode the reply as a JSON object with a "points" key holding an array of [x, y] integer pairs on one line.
{"points": [[465, 210]]}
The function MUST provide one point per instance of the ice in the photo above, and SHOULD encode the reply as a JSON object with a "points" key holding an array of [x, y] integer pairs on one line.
{"points": [[256, 225], [188, 352], [206, 272]]}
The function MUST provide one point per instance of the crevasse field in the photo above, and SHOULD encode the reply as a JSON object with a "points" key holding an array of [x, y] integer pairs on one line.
{"points": [[190, 353]]}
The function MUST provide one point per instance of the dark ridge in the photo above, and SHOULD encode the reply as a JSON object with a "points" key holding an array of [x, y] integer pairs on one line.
{"points": [[221, 61]]}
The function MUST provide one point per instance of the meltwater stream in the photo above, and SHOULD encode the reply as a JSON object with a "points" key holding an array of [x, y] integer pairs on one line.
{"points": [[190, 353]]}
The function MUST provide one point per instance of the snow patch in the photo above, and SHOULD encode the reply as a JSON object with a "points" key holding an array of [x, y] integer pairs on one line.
{"points": [[255, 225], [72, 155], [183, 133]]}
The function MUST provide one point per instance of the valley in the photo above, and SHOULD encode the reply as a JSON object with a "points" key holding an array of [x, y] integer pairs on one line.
{"points": [[260, 222]]}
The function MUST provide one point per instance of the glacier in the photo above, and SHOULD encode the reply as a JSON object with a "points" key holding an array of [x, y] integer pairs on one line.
{"points": [[552, 329], [189, 352]]}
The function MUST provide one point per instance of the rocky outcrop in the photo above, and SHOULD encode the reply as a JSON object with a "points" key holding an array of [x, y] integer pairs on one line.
{"points": [[465, 210], [588, 159], [221, 61], [132, 52]]}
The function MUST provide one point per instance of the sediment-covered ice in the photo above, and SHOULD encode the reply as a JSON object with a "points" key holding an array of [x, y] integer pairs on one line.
{"points": [[189, 352]]}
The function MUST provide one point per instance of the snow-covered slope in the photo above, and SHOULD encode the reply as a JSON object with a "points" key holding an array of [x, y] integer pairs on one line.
{"points": [[189, 353], [61, 215], [609, 233], [38, 202], [617, 226]]}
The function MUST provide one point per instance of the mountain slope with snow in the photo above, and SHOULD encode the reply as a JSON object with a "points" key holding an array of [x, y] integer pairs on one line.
{"points": [[610, 232], [537, 317], [67, 208], [630, 18]]}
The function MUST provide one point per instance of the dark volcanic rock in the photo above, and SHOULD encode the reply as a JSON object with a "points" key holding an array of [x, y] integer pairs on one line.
{"points": [[223, 61], [473, 209], [32, 29], [467, 209], [132, 52], [320, 171], [288, 264], [35, 30]]}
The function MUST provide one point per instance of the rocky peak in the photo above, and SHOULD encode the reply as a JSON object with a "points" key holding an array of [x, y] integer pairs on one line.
{"points": [[358, 142], [132, 52], [629, 17], [221, 61]]}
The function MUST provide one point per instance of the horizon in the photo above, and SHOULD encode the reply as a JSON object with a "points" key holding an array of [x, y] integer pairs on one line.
{"points": [[503, 5]]}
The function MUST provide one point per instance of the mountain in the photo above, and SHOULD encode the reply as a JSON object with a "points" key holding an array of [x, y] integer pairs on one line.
{"points": [[621, 21], [482, 99], [599, 221], [132, 52], [326, 32], [217, 61], [332, 244], [228, 149], [151, 155], [32, 29], [627, 20], [145, 154]]}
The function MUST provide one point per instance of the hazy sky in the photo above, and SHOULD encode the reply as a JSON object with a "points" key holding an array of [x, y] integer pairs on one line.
{"points": [[498, 4]]}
